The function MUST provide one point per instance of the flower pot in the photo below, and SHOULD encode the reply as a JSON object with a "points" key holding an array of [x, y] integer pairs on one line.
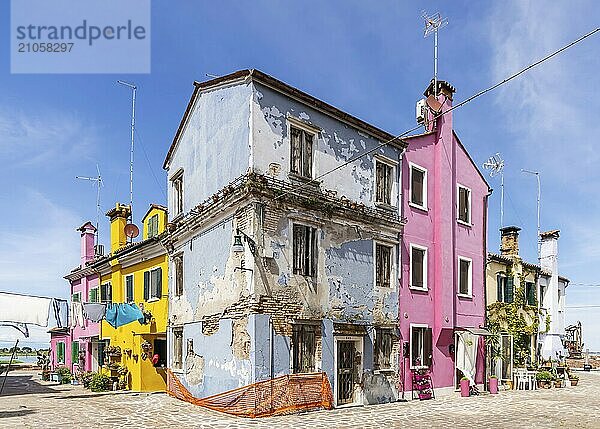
{"points": [[543, 384], [509, 384], [464, 388], [574, 381], [493, 383], [558, 383]]}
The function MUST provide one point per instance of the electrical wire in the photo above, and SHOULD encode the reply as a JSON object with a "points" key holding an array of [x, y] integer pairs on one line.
{"points": [[462, 103]]}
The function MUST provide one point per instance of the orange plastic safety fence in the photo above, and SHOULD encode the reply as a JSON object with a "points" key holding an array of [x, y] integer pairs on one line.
{"points": [[282, 395]]}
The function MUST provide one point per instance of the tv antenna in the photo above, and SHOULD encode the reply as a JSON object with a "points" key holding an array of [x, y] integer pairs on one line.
{"points": [[134, 90], [495, 164], [432, 24], [98, 183], [537, 175]]}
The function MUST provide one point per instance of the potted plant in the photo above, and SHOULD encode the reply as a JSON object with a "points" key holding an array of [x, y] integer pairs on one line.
{"points": [[558, 382], [574, 379], [464, 387], [544, 379], [493, 384]]}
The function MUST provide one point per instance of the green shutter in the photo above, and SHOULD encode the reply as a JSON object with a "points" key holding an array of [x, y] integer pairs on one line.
{"points": [[146, 285], [500, 287], [510, 290], [159, 283], [60, 352], [94, 295], [75, 352]]}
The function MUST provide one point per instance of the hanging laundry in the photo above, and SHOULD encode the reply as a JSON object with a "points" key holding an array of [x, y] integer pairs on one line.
{"points": [[77, 315], [122, 314], [60, 308], [22, 327], [24, 309], [94, 311]]}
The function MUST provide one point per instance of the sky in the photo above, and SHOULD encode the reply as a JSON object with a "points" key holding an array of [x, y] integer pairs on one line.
{"points": [[368, 59]]}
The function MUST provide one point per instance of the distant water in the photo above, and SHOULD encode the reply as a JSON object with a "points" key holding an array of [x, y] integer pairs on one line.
{"points": [[24, 359]]}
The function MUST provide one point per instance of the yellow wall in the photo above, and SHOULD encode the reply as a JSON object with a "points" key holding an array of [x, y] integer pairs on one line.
{"points": [[143, 376], [162, 220], [492, 270]]}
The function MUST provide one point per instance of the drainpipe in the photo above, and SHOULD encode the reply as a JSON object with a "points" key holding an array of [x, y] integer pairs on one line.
{"points": [[485, 315], [400, 200]]}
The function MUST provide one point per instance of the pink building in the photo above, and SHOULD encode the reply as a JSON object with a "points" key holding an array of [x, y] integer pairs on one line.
{"points": [[77, 347], [442, 291]]}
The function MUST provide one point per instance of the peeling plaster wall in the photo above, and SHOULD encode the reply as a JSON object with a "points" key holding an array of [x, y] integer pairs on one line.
{"points": [[214, 146], [335, 143]]}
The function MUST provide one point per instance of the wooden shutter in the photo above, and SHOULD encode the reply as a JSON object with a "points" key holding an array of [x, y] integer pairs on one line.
{"points": [[509, 293], [179, 276], [60, 352], [296, 150], [298, 249], [307, 154], [463, 204], [500, 287], [75, 352], [313, 251], [417, 180], [159, 283], [427, 346], [146, 285], [417, 267]]}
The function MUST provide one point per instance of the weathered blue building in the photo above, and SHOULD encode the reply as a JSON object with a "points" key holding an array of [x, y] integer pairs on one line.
{"points": [[275, 268]]}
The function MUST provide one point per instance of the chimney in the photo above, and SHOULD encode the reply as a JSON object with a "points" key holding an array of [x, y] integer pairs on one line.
{"points": [[549, 250], [442, 103], [88, 234], [118, 219], [509, 236]]}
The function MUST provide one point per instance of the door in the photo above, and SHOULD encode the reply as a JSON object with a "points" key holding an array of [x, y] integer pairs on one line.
{"points": [[346, 352], [94, 354]]}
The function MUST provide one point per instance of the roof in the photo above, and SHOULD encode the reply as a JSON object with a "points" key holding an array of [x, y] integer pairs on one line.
{"points": [[564, 279], [288, 90], [87, 225], [152, 207], [554, 233]]}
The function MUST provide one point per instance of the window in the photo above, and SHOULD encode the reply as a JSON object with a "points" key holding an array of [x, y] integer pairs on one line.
{"points": [[106, 293], [305, 250], [418, 186], [530, 293], [542, 294], [60, 352], [177, 184], [153, 226], [93, 295], [129, 288], [383, 182], [420, 346], [302, 152], [464, 204], [505, 288], [418, 267], [465, 279], [304, 341], [76, 297], [383, 348], [383, 265], [177, 348], [153, 284], [160, 348], [75, 352], [178, 268]]}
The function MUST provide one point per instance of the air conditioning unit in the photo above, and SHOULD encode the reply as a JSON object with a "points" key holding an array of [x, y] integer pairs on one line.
{"points": [[421, 113], [99, 250]]}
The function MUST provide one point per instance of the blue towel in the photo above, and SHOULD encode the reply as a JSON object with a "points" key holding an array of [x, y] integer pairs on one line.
{"points": [[122, 314]]}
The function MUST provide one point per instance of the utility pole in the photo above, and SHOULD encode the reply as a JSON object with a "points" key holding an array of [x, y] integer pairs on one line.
{"points": [[134, 90], [539, 242]]}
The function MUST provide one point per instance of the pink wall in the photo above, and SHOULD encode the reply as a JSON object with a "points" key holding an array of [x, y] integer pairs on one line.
{"points": [[436, 228], [55, 338]]}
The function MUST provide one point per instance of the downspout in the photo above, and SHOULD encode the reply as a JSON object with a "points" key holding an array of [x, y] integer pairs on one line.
{"points": [[399, 199], [485, 313]]}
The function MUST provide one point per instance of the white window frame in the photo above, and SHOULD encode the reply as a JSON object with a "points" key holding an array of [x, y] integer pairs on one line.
{"points": [[425, 267], [152, 298], [177, 196], [412, 326], [470, 205], [380, 159], [297, 123], [469, 293], [392, 245], [425, 205]]}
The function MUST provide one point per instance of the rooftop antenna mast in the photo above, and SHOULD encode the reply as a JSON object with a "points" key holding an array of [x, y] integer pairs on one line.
{"points": [[432, 24], [495, 164], [539, 190], [134, 90], [98, 183]]}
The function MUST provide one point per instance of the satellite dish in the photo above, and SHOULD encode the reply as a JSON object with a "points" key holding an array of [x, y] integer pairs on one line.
{"points": [[131, 230], [433, 104]]}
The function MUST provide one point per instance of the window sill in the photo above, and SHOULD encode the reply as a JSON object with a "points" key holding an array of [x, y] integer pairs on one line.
{"points": [[385, 206], [295, 177], [464, 295], [151, 300], [418, 207], [463, 223], [419, 289], [418, 367], [384, 371]]}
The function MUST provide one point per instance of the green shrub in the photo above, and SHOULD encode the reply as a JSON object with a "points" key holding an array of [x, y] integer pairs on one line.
{"points": [[99, 382], [544, 376], [65, 374], [86, 378]]}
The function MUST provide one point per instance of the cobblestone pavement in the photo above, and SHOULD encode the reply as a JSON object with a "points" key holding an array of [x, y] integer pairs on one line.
{"points": [[29, 403]]}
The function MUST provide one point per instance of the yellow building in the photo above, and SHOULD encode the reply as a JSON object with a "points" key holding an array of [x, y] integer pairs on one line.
{"points": [[136, 272]]}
